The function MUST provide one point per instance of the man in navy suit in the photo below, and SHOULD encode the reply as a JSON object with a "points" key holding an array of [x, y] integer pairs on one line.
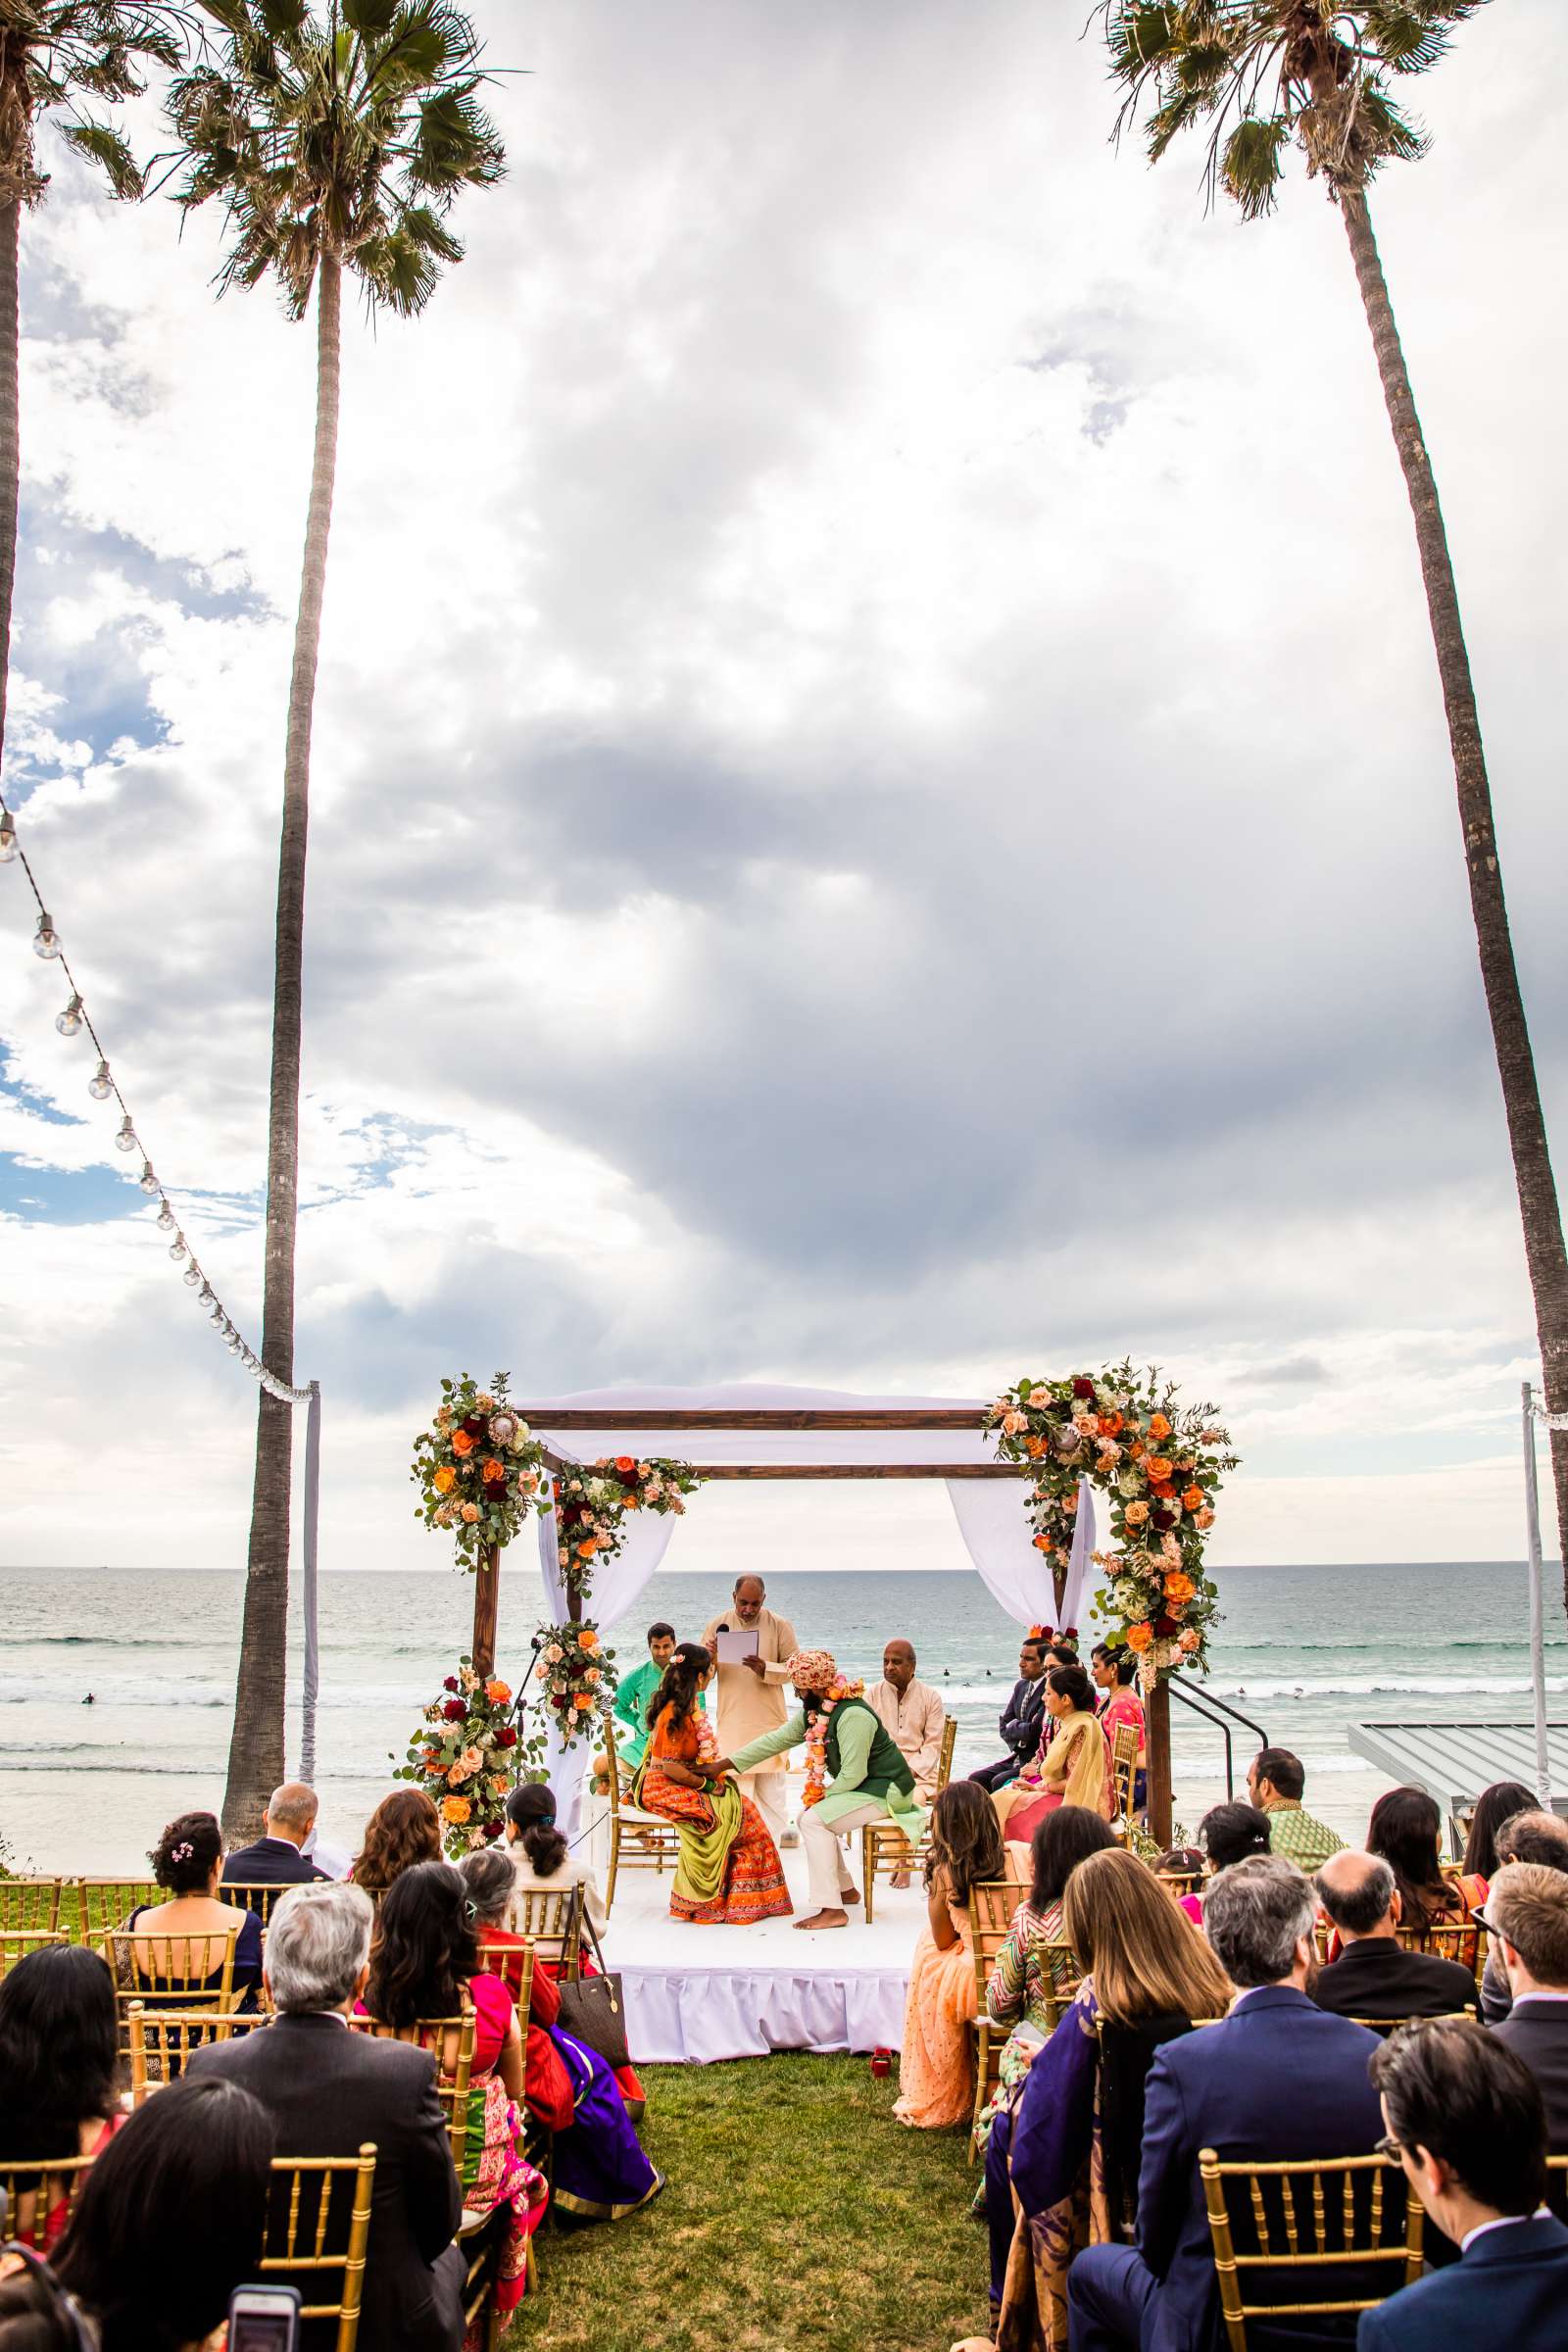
{"points": [[1465, 2116], [1022, 1717], [275, 1859], [1279, 2080]]}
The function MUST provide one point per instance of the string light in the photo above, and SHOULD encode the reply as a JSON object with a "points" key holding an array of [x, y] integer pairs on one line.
{"points": [[103, 1087]]}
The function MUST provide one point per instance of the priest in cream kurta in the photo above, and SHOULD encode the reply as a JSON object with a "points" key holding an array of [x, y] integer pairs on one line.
{"points": [[751, 1703], [911, 1713]]}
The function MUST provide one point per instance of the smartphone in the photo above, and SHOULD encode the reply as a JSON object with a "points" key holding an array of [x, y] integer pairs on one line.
{"points": [[263, 2318]]}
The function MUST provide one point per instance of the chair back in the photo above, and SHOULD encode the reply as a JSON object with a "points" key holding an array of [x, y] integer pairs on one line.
{"points": [[17, 1942], [1391, 2024], [1465, 1940], [162, 2039], [1334, 2223], [992, 1904], [1059, 1979], [1124, 1773], [551, 1916], [317, 2227], [102, 1903], [244, 1894], [30, 1903], [612, 1764], [171, 1969], [441, 2034], [950, 1741], [32, 2193], [1557, 2185]]}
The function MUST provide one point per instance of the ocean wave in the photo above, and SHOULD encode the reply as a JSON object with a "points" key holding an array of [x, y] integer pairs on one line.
{"points": [[1428, 1686]]}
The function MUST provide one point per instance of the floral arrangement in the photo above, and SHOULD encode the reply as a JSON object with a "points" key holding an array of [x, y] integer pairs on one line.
{"points": [[479, 1469], [460, 1758], [816, 1739], [578, 1675], [1161, 1464], [591, 1506]]}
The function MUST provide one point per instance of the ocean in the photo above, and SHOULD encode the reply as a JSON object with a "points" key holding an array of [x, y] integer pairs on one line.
{"points": [[1303, 1652]]}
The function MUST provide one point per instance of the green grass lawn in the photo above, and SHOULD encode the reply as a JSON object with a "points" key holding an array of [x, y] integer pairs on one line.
{"points": [[797, 2214]]}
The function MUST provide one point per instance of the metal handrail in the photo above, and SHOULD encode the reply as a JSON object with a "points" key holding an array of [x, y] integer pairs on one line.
{"points": [[1205, 1702]]}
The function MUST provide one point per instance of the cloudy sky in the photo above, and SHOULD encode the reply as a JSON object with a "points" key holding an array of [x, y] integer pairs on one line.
{"points": [[880, 816]]}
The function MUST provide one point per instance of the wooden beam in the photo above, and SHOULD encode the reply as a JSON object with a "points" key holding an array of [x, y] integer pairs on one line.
{"points": [[717, 1470], [890, 1417]]}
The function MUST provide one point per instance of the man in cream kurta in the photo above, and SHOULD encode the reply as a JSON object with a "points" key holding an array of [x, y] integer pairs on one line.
{"points": [[749, 1698], [912, 1715]]}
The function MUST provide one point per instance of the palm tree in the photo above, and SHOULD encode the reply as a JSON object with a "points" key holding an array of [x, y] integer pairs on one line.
{"points": [[335, 141], [53, 59], [1266, 76]]}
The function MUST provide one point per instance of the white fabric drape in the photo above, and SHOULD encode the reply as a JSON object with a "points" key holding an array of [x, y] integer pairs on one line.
{"points": [[677, 2016], [999, 1537]]}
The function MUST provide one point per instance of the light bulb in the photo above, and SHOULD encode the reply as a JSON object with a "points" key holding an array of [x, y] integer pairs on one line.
{"points": [[218, 1315], [176, 1248], [206, 1298], [234, 1343], [8, 838], [125, 1140], [46, 940], [166, 1219], [100, 1085], [68, 1022], [148, 1181], [192, 1275]]}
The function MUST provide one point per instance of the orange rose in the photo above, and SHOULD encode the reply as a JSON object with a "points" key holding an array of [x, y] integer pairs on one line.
{"points": [[1193, 1500], [1136, 1449], [455, 1809], [1111, 1425], [588, 1639], [1159, 1426], [1042, 1543], [462, 1443], [492, 1471], [1139, 1636], [582, 1702], [1159, 1466], [631, 1501], [1163, 1489], [498, 1693], [1179, 1585], [445, 1479], [624, 1463]]}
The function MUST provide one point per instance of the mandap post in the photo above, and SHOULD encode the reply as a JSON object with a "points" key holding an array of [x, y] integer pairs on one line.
{"points": [[1157, 1740], [486, 1605]]}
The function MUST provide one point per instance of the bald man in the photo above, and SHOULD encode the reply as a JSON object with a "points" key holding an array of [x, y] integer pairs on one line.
{"points": [[748, 1698], [913, 1713], [275, 1859]]}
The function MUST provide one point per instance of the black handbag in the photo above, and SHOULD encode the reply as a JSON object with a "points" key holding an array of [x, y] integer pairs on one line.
{"points": [[593, 2009]]}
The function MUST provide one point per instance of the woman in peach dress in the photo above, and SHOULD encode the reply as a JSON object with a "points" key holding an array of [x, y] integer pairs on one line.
{"points": [[936, 2067]]}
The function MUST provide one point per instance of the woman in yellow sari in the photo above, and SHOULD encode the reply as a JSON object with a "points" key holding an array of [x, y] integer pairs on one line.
{"points": [[729, 1873], [1074, 1769]]}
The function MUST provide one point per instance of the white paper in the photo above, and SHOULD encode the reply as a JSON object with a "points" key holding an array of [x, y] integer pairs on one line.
{"points": [[736, 1646]]}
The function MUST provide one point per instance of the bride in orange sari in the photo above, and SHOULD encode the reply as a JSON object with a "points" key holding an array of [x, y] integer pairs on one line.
{"points": [[729, 1873]]}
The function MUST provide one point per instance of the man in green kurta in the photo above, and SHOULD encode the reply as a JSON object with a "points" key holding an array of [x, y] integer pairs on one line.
{"points": [[868, 1780], [635, 1692]]}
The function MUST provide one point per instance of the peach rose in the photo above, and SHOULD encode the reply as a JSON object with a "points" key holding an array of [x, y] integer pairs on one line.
{"points": [[1136, 1513], [1205, 1519], [471, 1512]]}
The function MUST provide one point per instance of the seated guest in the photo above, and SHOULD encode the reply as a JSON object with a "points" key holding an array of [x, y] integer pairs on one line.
{"points": [[179, 1947], [542, 1860], [170, 2220], [1072, 1765], [1405, 1832], [936, 2065], [277, 1858], [424, 1963], [1075, 2152], [1464, 2119], [1031, 1979], [912, 1715], [1114, 1673], [633, 1693], [1279, 2080], [1373, 1977], [1234, 1833], [1493, 1807], [405, 1828], [1527, 1914], [1182, 1869], [59, 2053], [327, 2090], [1541, 1838], [1275, 1781], [1022, 1718]]}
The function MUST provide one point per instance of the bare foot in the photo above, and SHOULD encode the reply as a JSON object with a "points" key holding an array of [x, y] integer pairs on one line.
{"points": [[900, 1880], [848, 1894], [825, 1919]]}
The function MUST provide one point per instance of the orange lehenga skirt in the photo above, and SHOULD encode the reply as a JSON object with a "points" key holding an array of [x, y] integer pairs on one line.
{"points": [[729, 1874]]}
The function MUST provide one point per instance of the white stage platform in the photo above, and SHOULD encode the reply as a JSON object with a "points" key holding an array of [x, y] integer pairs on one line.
{"points": [[703, 1993]]}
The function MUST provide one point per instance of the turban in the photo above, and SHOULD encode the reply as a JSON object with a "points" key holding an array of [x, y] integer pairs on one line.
{"points": [[813, 1670]]}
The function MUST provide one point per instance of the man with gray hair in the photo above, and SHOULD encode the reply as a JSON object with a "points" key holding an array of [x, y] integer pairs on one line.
{"points": [[1373, 1978], [277, 1858], [329, 2090], [1277, 2080]]}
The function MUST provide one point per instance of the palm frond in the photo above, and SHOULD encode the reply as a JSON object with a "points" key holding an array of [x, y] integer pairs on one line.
{"points": [[1253, 161], [98, 143]]}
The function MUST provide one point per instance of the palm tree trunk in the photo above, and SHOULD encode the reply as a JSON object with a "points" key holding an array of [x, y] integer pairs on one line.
{"points": [[10, 435], [255, 1745], [1545, 1254]]}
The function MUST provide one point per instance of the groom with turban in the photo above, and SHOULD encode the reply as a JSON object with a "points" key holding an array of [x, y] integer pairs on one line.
{"points": [[854, 1774]]}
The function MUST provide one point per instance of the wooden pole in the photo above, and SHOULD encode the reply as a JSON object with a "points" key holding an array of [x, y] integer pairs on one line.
{"points": [[1157, 1737], [486, 1604]]}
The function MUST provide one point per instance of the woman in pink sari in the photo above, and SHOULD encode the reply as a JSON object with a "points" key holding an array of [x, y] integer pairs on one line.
{"points": [[1072, 1766]]}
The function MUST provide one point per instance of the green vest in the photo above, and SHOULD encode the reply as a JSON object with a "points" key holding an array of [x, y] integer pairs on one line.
{"points": [[886, 1767]]}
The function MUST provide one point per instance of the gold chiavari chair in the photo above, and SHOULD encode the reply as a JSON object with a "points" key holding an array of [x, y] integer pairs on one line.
{"points": [[171, 1969], [103, 1903], [244, 1895], [32, 2193], [162, 2039], [1557, 2185], [1124, 1777], [1465, 1940], [1391, 2024], [451, 2040], [884, 1841], [993, 1903], [17, 1942], [305, 2214], [1060, 1977], [1316, 2220], [29, 1905], [638, 1840], [551, 1916]]}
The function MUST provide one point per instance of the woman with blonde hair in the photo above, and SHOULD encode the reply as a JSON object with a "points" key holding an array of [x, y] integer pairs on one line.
{"points": [[936, 2079], [1076, 2137]]}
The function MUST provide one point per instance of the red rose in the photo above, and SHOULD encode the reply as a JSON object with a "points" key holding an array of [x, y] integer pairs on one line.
{"points": [[1084, 1389], [454, 1710], [451, 1683], [505, 1737], [492, 1829], [1164, 1520], [558, 1698], [477, 1425], [1165, 1624]]}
